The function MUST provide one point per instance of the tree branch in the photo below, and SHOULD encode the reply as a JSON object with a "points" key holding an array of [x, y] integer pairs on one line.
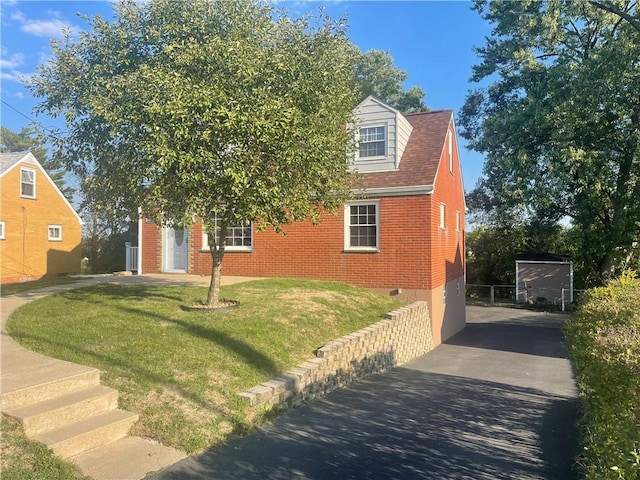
{"points": [[608, 7]]}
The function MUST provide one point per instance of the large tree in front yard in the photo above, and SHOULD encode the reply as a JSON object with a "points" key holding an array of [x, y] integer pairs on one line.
{"points": [[558, 117], [219, 111]]}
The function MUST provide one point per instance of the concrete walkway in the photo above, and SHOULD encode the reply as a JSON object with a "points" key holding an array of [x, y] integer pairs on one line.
{"points": [[497, 401], [26, 377]]}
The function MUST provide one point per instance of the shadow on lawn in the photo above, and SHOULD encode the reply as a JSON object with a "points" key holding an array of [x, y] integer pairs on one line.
{"points": [[250, 355], [121, 291]]}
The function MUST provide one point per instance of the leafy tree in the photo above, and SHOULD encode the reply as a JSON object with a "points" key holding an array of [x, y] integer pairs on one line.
{"points": [[492, 250], [559, 122], [204, 110], [28, 140], [378, 76]]}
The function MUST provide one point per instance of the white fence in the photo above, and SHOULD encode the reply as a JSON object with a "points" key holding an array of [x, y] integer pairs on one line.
{"points": [[131, 257]]}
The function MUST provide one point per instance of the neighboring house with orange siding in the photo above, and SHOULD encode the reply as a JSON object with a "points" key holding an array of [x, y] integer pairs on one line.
{"points": [[403, 236], [40, 232]]}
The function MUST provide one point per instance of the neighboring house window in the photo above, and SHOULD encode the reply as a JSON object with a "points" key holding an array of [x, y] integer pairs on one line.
{"points": [[27, 183], [1, 229], [55, 232], [443, 213], [444, 294], [239, 238], [361, 226], [457, 221], [450, 148], [373, 141]]}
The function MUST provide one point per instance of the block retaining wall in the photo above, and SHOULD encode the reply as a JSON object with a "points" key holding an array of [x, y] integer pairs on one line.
{"points": [[404, 334]]}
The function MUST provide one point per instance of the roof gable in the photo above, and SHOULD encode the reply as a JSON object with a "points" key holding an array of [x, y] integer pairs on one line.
{"points": [[422, 155], [10, 160], [377, 116]]}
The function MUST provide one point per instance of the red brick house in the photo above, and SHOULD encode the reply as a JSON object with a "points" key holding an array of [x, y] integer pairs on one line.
{"points": [[404, 236]]}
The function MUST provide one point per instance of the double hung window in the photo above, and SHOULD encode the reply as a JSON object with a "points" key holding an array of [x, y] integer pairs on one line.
{"points": [[362, 227], [239, 238], [27, 183], [373, 141], [55, 232]]}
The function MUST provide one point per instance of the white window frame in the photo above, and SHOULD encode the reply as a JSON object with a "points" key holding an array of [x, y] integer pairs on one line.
{"points": [[2, 234], [457, 220], [32, 171], [443, 216], [54, 238], [230, 232], [444, 294], [347, 227], [385, 131]]}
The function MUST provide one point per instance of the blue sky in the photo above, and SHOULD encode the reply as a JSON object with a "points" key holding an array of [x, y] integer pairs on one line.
{"points": [[431, 40]]}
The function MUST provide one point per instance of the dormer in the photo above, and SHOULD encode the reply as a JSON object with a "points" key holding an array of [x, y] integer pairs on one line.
{"points": [[383, 134]]}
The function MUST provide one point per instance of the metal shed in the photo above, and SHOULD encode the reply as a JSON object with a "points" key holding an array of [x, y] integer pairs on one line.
{"points": [[544, 277]]}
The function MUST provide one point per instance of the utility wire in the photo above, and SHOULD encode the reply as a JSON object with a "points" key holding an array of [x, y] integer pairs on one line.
{"points": [[28, 118]]}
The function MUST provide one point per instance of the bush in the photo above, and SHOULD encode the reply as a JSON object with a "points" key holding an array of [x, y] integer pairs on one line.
{"points": [[604, 344]]}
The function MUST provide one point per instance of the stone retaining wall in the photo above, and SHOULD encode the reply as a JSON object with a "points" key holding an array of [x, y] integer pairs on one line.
{"points": [[404, 334]]}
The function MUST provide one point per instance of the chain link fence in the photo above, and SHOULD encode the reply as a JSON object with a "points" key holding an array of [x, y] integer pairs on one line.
{"points": [[563, 299]]}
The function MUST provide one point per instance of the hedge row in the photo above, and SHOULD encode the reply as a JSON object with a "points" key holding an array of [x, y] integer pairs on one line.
{"points": [[604, 343]]}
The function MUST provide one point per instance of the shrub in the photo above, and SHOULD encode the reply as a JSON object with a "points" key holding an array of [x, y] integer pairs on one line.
{"points": [[604, 344]]}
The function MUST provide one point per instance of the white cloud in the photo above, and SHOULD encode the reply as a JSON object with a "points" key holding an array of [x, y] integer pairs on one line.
{"points": [[45, 28], [18, 15], [12, 76], [10, 64], [52, 27]]}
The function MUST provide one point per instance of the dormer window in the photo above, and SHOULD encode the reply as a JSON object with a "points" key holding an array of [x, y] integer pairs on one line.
{"points": [[373, 141]]}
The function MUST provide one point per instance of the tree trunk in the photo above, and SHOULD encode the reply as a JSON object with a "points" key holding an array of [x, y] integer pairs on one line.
{"points": [[216, 247]]}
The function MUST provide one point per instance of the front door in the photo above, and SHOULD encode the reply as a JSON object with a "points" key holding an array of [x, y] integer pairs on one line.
{"points": [[175, 250]]}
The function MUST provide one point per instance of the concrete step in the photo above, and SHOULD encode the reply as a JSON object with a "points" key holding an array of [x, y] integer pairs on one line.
{"points": [[130, 458], [67, 409], [63, 383], [92, 432]]}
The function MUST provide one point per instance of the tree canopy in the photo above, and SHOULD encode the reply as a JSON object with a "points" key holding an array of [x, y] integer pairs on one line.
{"points": [[378, 76], [558, 117], [204, 110]]}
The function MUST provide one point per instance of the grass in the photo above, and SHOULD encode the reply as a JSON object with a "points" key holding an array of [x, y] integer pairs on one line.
{"points": [[181, 371], [23, 459], [13, 288]]}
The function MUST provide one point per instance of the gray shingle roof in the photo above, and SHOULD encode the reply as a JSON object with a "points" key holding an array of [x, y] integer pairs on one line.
{"points": [[9, 159]]}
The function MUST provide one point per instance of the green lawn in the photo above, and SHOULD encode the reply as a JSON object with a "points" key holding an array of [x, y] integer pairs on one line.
{"points": [[23, 459], [182, 371]]}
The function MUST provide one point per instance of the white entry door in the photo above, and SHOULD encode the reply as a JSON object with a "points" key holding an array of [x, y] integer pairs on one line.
{"points": [[175, 250]]}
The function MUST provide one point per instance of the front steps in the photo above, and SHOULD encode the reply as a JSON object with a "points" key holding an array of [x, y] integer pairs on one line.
{"points": [[79, 420]]}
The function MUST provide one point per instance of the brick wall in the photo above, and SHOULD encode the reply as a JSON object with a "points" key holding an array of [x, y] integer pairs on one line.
{"points": [[447, 255], [403, 335], [317, 252]]}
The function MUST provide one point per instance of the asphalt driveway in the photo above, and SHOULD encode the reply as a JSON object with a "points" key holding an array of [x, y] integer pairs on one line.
{"points": [[497, 401]]}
